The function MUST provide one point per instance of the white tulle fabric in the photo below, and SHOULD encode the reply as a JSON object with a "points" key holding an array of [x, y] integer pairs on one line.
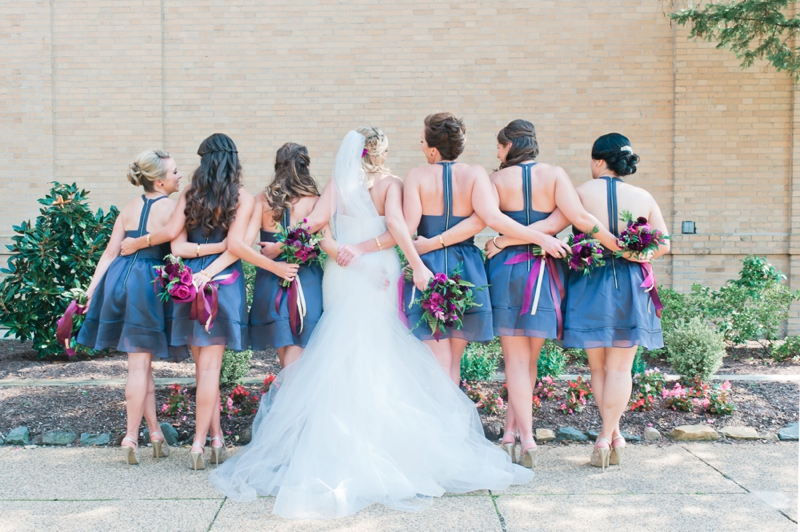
{"points": [[366, 415]]}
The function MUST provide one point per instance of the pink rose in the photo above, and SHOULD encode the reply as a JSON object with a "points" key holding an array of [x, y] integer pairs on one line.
{"points": [[183, 293], [186, 276]]}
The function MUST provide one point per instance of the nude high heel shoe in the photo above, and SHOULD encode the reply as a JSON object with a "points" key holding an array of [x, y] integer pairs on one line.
{"points": [[528, 456], [131, 454], [615, 458], [198, 464], [600, 455], [510, 448], [160, 447], [218, 453]]}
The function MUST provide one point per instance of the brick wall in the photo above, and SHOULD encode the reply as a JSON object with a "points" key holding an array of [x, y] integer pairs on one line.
{"points": [[88, 84]]}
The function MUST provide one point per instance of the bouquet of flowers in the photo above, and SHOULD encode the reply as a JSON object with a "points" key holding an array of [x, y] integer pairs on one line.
{"points": [[586, 252], [70, 323], [445, 301], [175, 280], [638, 238], [300, 246]]}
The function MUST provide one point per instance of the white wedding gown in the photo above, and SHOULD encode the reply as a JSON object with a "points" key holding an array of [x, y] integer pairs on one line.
{"points": [[366, 415]]}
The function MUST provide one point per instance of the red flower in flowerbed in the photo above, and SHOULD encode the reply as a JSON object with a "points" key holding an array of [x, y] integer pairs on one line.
{"points": [[240, 402], [578, 392]]}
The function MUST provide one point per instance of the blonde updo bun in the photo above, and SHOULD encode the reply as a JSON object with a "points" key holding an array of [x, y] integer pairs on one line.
{"points": [[147, 168], [376, 144]]}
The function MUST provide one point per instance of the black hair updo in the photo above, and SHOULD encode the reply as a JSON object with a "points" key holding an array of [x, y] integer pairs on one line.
{"points": [[616, 151]]}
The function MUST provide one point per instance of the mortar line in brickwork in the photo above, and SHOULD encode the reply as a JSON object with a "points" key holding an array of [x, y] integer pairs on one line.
{"points": [[53, 87], [673, 214], [163, 73]]}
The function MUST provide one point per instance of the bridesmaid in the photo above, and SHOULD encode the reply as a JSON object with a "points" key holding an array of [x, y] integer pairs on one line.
{"points": [[123, 310], [446, 203], [289, 199], [608, 313], [528, 192]]}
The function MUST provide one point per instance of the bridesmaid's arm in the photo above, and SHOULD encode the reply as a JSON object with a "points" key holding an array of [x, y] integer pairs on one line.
{"points": [[552, 225], [181, 247], [656, 220], [458, 233], [109, 254], [321, 214], [328, 244], [170, 231], [403, 213], [569, 202]]}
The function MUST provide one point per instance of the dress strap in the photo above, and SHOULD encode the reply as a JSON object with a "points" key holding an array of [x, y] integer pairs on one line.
{"points": [[447, 182], [287, 218], [145, 214], [526, 198], [611, 202]]}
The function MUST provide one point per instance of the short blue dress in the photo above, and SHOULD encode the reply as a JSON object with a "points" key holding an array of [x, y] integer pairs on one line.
{"points": [[477, 321], [608, 307], [270, 326], [514, 280], [125, 313], [230, 324]]}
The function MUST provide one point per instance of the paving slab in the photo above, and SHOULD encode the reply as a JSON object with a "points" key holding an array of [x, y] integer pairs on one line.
{"points": [[634, 513], [104, 516], [768, 471], [646, 469], [99, 473], [457, 514]]}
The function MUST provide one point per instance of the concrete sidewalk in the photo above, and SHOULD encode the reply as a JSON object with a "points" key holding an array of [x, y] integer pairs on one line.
{"points": [[694, 487]]}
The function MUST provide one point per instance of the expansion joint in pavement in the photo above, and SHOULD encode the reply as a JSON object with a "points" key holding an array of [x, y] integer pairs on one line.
{"points": [[497, 509], [211, 525], [737, 483]]}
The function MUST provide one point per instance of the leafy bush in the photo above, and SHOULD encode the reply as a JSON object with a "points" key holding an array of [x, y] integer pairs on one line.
{"points": [[674, 307], [56, 254], [235, 366], [694, 349], [479, 362], [788, 349], [249, 281], [639, 365], [576, 356], [552, 361]]}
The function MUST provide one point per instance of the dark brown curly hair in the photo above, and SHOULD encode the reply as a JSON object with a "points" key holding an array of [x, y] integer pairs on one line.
{"points": [[214, 196], [522, 136], [447, 133], [292, 179]]}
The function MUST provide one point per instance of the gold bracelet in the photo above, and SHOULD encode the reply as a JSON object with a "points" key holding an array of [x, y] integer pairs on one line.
{"points": [[494, 241], [197, 252], [203, 272], [148, 240], [378, 241], [441, 241]]}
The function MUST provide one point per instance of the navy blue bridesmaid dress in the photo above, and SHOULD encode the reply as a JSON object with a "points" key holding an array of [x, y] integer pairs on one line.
{"points": [[125, 312], [512, 286], [609, 308], [270, 327], [477, 321]]}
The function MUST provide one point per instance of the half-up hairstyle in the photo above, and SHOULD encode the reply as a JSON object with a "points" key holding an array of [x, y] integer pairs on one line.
{"points": [[616, 151], [147, 168], [292, 179], [447, 133], [522, 136], [212, 200], [375, 145]]}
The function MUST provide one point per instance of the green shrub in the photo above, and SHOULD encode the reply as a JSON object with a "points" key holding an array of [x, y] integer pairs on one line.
{"points": [[48, 259], [479, 363], [552, 361], [249, 281], [576, 356], [235, 366], [694, 349], [639, 365], [788, 349], [674, 307]]}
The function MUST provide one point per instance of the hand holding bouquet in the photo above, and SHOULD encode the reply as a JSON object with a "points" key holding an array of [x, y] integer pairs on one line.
{"points": [[300, 246], [445, 301], [175, 280], [585, 252], [638, 240], [70, 323]]}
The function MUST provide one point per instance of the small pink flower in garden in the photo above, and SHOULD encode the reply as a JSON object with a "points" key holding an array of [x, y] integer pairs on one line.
{"points": [[183, 418], [164, 407]]}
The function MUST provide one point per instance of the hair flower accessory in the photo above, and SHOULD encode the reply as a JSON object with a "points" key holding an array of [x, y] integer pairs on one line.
{"points": [[627, 149], [364, 153]]}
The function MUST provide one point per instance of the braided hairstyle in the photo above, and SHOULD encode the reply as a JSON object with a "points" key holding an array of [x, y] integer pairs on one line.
{"points": [[214, 196], [447, 133], [522, 136], [616, 151], [375, 145], [292, 179], [147, 168]]}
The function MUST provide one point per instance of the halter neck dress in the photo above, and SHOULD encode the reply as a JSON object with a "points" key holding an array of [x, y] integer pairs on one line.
{"points": [[608, 307]]}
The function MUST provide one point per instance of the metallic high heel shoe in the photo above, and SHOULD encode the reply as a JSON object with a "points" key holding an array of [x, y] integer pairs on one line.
{"points": [[218, 454], [600, 455], [510, 448], [615, 458], [131, 453], [198, 464], [528, 456], [160, 447]]}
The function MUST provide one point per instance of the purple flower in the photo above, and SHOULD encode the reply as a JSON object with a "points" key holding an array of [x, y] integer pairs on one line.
{"points": [[440, 278], [172, 269], [186, 276], [182, 292]]}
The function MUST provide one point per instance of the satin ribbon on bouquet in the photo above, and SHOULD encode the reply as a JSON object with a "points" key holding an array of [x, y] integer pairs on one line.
{"points": [[400, 293], [533, 286], [64, 327], [206, 305], [297, 304], [649, 285]]}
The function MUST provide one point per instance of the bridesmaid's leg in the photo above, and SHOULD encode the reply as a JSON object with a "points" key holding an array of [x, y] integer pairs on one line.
{"points": [[597, 368], [150, 403], [442, 352], [216, 424], [208, 361], [517, 355], [616, 388], [291, 354], [282, 356], [457, 347], [136, 394]]}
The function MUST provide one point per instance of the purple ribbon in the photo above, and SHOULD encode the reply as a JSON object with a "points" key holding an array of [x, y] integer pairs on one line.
{"points": [[64, 327], [294, 311], [400, 311], [650, 285], [556, 286], [206, 305]]}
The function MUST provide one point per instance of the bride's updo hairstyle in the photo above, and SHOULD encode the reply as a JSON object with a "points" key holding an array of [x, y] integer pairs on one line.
{"points": [[616, 151], [147, 168], [522, 136], [447, 133], [292, 179], [212, 200], [375, 145]]}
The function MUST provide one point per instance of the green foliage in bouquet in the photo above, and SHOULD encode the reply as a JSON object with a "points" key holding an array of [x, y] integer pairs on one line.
{"points": [[49, 258]]}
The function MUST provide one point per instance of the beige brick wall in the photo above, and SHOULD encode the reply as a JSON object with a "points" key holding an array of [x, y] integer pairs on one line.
{"points": [[88, 84]]}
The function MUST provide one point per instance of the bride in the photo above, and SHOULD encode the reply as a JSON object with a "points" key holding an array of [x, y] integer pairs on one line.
{"points": [[366, 415]]}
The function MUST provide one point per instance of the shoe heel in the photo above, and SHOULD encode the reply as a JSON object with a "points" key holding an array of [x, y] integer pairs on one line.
{"points": [[197, 461], [616, 456], [130, 456], [605, 454], [529, 458], [160, 449], [510, 449], [216, 455]]}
